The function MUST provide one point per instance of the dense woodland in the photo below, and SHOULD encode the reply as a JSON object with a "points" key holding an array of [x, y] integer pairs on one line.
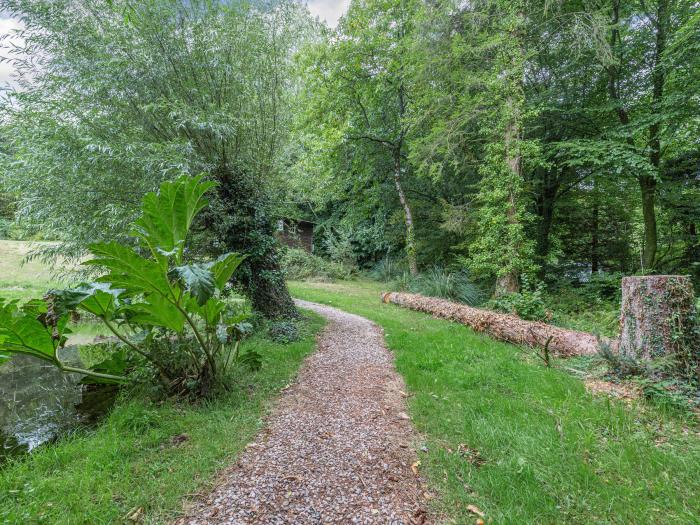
{"points": [[548, 139]]}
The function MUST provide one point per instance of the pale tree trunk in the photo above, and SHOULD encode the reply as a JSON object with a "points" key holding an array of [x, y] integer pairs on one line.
{"points": [[408, 216]]}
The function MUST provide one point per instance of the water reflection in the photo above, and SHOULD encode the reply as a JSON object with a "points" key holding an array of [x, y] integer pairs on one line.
{"points": [[39, 402]]}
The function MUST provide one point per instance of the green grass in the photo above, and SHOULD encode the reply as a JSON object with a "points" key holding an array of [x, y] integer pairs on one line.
{"points": [[19, 279], [552, 452], [129, 464], [30, 280]]}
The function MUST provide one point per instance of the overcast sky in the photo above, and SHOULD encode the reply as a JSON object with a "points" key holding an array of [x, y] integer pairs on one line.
{"points": [[329, 10], [6, 26]]}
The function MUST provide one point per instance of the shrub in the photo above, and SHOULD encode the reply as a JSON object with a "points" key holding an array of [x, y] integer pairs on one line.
{"points": [[299, 265], [388, 269], [527, 304], [438, 282], [165, 309], [284, 332]]}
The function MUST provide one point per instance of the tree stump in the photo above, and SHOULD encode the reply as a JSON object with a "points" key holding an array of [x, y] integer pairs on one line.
{"points": [[658, 318]]}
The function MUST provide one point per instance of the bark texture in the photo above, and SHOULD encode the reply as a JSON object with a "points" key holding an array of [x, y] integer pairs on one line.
{"points": [[658, 317], [504, 327]]}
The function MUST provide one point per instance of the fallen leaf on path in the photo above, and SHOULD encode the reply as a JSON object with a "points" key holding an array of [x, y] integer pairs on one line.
{"points": [[414, 467], [404, 416]]}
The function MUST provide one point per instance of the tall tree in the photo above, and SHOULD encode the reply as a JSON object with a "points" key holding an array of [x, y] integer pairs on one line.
{"points": [[358, 91], [117, 95], [482, 115], [639, 34]]}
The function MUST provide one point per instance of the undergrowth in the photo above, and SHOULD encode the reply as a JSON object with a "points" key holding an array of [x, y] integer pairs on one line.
{"points": [[139, 464]]}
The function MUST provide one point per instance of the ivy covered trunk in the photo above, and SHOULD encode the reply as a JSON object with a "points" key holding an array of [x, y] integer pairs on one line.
{"points": [[240, 216], [658, 319]]}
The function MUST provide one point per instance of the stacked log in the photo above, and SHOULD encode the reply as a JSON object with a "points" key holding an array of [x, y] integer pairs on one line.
{"points": [[504, 327]]}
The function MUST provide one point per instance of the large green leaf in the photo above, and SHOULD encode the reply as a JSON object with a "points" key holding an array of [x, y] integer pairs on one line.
{"points": [[116, 364], [210, 311], [155, 311], [21, 332], [197, 279], [128, 270], [224, 267], [168, 214], [99, 299]]}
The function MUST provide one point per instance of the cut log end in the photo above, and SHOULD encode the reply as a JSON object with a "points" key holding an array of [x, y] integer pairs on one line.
{"points": [[658, 316]]}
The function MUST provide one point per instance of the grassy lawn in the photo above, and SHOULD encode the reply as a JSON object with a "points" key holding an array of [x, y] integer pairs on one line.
{"points": [[132, 466], [30, 280], [20, 280], [525, 443]]}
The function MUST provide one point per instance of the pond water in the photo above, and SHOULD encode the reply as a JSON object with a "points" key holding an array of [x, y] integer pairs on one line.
{"points": [[39, 402]]}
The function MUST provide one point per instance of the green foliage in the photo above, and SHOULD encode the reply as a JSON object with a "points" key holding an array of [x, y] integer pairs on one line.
{"points": [[299, 264], [149, 455], [163, 101], [387, 269], [439, 282], [528, 304], [283, 332], [553, 453], [167, 312]]}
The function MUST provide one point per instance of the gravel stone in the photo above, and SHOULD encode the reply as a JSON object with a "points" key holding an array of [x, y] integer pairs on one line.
{"points": [[333, 451]]}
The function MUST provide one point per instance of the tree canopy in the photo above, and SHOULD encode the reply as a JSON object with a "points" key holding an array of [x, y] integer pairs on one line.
{"points": [[508, 139]]}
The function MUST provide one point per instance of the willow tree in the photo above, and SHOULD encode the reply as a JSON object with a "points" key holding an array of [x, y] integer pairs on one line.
{"points": [[358, 95], [115, 96]]}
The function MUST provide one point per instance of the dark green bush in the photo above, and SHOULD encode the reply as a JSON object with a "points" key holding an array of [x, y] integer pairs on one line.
{"points": [[283, 332], [527, 304], [299, 265], [388, 269]]}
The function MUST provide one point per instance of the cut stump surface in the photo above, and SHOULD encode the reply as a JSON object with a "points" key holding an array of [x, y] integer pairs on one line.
{"points": [[335, 450]]}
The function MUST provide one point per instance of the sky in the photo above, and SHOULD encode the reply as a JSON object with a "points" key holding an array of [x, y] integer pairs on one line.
{"points": [[328, 10], [6, 26]]}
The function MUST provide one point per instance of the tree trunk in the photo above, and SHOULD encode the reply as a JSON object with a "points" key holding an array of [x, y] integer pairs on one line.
{"points": [[658, 318], [595, 258], [239, 220], [504, 327], [647, 183], [548, 189], [510, 282], [408, 216], [648, 188]]}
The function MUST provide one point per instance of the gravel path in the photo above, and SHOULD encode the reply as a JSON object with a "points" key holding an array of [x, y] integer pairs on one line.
{"points": [[337, 448]]}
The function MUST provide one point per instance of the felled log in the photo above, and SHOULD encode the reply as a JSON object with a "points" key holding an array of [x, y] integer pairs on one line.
{"points": [[658, 317], [504, 327]]}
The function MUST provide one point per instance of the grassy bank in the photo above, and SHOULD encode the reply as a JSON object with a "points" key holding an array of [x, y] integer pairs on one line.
{"points": [[525, 443], [19, 279], [145, 459]]}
